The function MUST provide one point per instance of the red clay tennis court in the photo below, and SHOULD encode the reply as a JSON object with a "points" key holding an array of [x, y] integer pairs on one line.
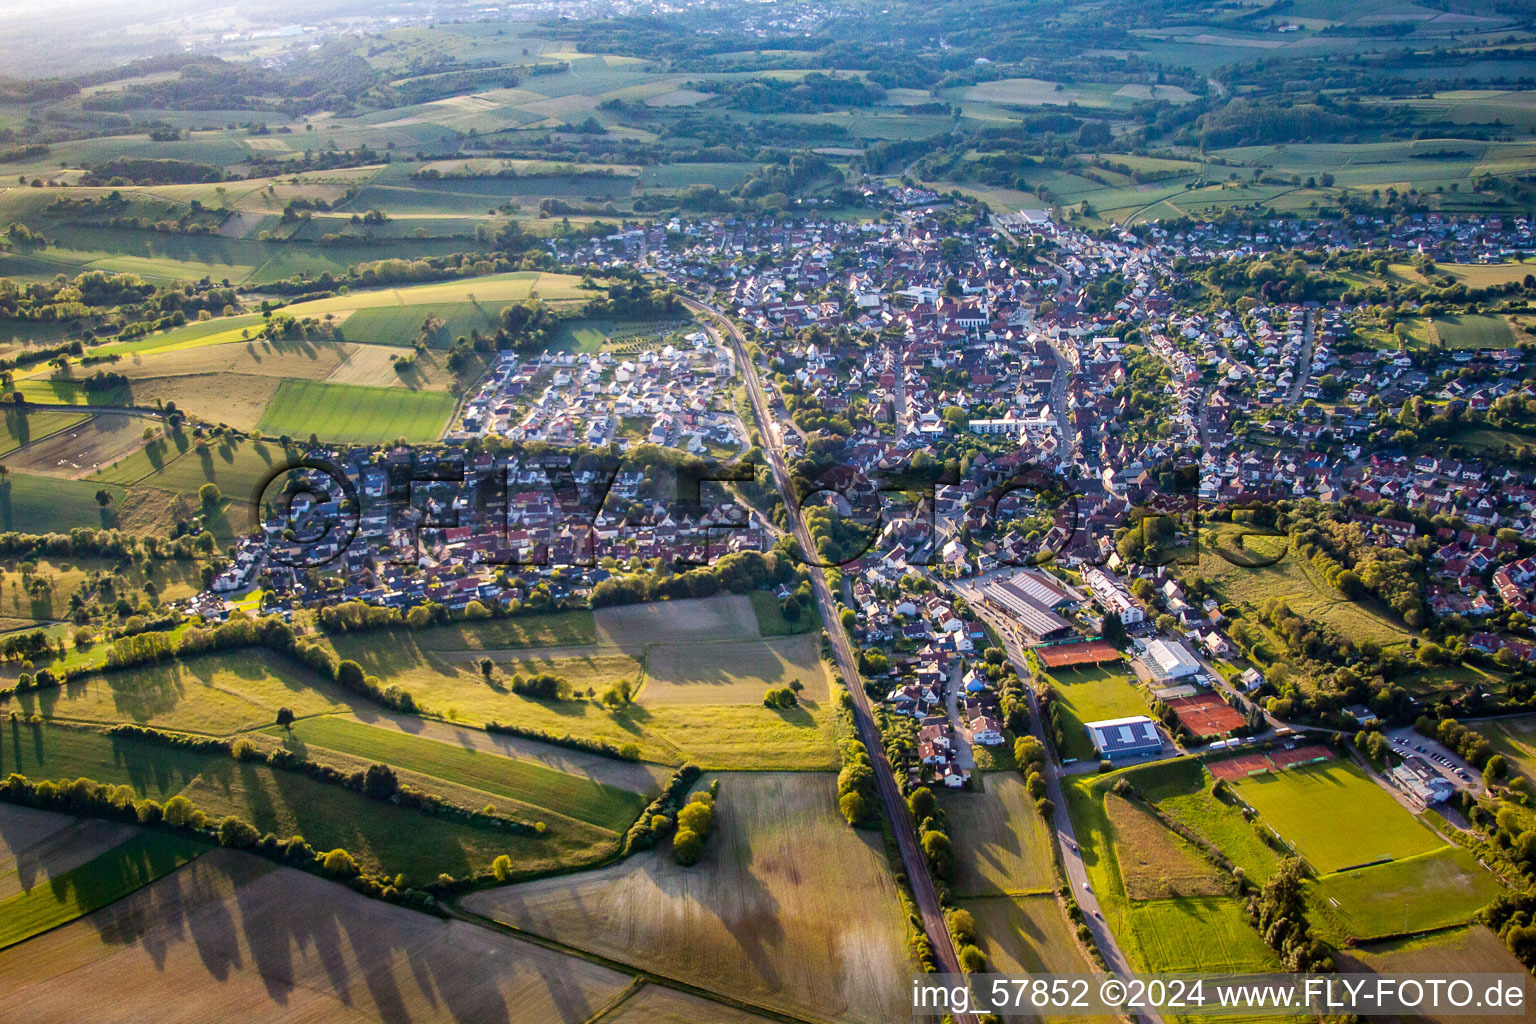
{"points": [[1245, 765], [1094, 652], [1206, 714]]}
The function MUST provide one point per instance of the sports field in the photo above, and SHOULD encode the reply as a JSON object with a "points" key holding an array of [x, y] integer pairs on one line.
{"points": [[356, 414], [788, 907], [1433, 890], [1302, 806], [1092, 694]]}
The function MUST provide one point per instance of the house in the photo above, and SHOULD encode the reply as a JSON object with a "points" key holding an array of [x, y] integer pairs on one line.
{"points": [[986, 730], [1117, 738]]}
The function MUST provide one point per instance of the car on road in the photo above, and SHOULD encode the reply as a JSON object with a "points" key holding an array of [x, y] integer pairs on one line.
{"points": [[1087, 887]]}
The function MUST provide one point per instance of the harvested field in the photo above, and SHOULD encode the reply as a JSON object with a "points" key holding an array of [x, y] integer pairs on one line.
{"points": [[653, 1004], [1029, 935], [243, 939], [81, 448], [235, 399], [24, 425], [724, 617], [1154, 862], [36, 846], [732, 671], [788, 907], [311, 360], [1472, 949], [1002, 847]]}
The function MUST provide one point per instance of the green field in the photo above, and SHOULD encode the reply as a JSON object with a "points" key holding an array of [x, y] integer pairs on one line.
{"points": [[1092, 695], [51, 752], [771, 620], [382, 836], [402, 325], [522, 780], [1433, 890], [1197, 934], [355, 413], [218, 694], [46, 504], [1473, 330], [1294, 803], [104, 879], [1295, 579]]}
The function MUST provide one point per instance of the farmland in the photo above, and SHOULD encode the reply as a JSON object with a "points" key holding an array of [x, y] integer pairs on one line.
{"points": [[376, 961], [1467, 330], [1002, 847], [524, 781], [111, 875], [1200, 934], [732, 671], [1473, 948], [752, 917], [1377, 827], [356, 414]]}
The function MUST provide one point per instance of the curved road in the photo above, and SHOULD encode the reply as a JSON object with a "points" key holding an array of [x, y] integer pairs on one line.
{"points": [[896, 809]]}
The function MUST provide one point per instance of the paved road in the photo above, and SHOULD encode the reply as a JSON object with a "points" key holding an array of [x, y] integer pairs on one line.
{"points": [[896, 809], [1304, 364], [1061, 821]]}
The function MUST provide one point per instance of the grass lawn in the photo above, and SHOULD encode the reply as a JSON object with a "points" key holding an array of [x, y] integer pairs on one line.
{"points": [[41, 751], [1002, 847], [788, 906], [1180, 790], [1473, 330], [1303, 804], [771, 620], [1092, 694], [104, 879], [355, 413], [220, 693], [1029, 935], [1433, 890], [520, 779], [1515, 738], [31, 503]]}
